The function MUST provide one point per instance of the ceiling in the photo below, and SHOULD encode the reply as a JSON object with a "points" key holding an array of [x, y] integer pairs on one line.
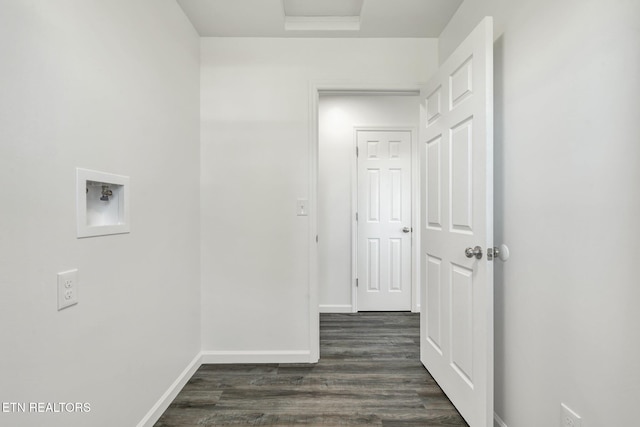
{"points": [[319, 18]]}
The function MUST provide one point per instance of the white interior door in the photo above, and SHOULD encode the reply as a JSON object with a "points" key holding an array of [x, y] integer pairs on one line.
{"points": [[457, 213], [384, 221]]}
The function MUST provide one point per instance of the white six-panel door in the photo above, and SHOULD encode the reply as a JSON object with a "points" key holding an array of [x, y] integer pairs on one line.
{"points": [[384, 211], [456, 146]]}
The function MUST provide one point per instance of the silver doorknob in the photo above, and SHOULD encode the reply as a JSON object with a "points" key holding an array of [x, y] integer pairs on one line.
{"points": [[473, 252], [406, 230]]}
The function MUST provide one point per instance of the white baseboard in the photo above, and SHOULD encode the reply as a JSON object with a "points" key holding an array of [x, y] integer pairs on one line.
{"points": [[498, 421], [335, 308], [293, 356], [165, 400]]}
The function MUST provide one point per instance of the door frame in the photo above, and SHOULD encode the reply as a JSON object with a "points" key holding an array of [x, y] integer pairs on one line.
{"points": [[341, 88], [415, 206]]}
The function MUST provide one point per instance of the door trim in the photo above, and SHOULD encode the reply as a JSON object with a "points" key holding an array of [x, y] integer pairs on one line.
{"points": [[415, 206], [315, 88]]}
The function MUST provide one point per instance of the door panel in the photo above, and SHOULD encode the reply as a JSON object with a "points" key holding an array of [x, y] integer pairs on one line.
{"points": [[384, 209], [461, 173], [373, 263], [456, 192], [434, 303], [373, 195], [434, 190]]}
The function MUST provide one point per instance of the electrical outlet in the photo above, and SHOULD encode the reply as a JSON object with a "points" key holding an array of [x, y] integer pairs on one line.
{"points": [[67, 289], [570, 418]]}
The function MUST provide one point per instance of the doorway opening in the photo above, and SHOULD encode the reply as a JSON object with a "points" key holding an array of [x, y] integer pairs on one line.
{"points": [[366, 148], [338, 114]]}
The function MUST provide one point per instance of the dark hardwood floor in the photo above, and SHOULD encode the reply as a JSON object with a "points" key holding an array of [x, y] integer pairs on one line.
{"points": [[369, 374]]}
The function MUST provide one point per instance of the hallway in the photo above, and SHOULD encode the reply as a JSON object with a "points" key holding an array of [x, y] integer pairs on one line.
{"points": [[369, 374]]}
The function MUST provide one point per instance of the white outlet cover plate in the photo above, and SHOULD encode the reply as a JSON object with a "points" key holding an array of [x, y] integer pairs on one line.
{"points": [[570, 418], [67, 289]]}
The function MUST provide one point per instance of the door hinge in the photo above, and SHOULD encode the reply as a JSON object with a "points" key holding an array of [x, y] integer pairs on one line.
{"points": [[356, 282], [356, 216], [316, 238], [357, 153]]}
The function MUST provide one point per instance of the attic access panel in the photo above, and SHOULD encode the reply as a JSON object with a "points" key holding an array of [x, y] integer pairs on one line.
{"points": [[299, 8]]}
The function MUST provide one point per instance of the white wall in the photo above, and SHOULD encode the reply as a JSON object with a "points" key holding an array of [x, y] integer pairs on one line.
{"points": [[112, 86], [255, 164], [338, 115], [567, 203]]}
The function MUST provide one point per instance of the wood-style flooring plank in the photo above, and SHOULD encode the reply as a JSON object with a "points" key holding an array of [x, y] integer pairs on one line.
{"points": [[369, 374]]}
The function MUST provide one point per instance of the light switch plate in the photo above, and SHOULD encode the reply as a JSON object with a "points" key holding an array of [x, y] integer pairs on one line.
{"points": [[302, 207], [67, 289]]}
